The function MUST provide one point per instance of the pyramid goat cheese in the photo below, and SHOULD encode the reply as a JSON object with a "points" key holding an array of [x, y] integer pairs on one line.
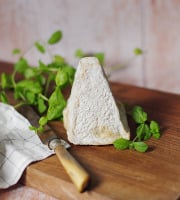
{"points": [[91, 116]]}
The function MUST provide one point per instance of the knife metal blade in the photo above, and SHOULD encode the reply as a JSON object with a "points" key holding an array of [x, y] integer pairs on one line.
{"points": [[76, 172]]}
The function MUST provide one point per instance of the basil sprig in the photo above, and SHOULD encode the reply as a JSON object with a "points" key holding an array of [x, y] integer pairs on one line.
{"points": [[144, 131], [34, 87]]}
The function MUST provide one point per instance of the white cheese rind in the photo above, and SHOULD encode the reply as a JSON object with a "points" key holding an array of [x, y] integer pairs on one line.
{"points": [[92, 116]]}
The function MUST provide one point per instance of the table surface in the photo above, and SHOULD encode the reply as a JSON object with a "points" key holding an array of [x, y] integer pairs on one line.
{"points": [[116, 174], [20, 191]]}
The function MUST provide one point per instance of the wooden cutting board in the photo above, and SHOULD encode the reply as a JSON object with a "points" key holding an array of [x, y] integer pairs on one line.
{"points": [[121, 174]]}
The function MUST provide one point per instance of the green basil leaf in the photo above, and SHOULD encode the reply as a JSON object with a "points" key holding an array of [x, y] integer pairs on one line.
{"points": [[29, 85], [27, 90], [43, 121], [138, 51], [16, 51], [57, 104], [121, 143], [147, 133], [61, 78], [3, 97], [30, 97], [71, 72], [59, 59], [140, 131], [156, 135], [100, 57], [41, 105], [79, 53], [6, 81], [40, 47], [154, 127], [55, 37], [139, 115], [38, 130], [143, 132], [140, 146], [21, 65], [18, 94], [33, 128], [31, 72]]}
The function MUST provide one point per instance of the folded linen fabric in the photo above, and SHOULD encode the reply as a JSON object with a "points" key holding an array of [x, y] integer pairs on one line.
{"points": [[19, 146]]}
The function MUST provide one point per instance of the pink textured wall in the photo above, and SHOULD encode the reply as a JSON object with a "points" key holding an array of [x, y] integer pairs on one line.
{"points": [[115, 27]]}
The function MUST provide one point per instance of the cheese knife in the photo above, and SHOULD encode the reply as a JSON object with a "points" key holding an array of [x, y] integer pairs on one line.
{"points": [[76, 172]]}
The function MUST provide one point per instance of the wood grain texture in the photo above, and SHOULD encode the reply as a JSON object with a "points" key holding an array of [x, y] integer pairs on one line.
{"points": [[115, 27], [121, 174]]}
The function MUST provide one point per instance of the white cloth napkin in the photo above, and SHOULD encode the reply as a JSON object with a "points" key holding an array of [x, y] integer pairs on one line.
{"points": [[19, 146]]}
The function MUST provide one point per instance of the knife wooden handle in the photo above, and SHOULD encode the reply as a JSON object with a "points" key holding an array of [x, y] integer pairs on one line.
{"points": [[77, 173]]}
